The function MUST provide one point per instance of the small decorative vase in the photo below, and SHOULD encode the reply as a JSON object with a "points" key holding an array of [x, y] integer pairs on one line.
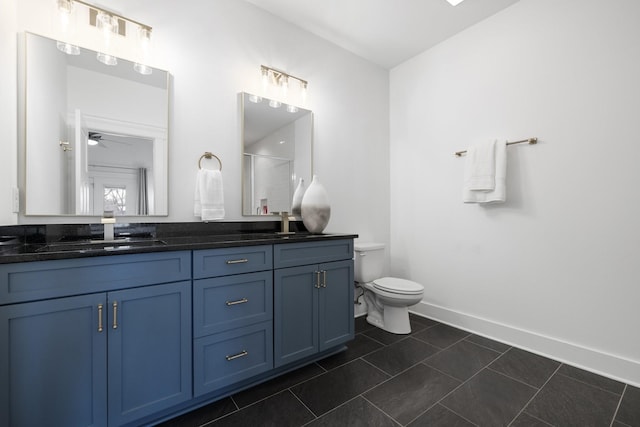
{"points": [[315, 208], [296, 204]]}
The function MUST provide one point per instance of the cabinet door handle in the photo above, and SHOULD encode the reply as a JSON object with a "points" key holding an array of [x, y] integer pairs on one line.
{"points": [[240, 301], [99, 317], [115, 315], [237, 261], [235, 356], [324, 279], [317, 284]]}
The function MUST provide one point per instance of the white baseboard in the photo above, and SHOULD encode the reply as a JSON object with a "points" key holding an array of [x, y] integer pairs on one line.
{"points": [[598, 362]]}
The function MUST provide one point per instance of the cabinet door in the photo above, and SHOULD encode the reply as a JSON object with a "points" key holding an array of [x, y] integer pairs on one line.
{"points": [[149, 350], [53, 363], [295, 313], [336, 322]]}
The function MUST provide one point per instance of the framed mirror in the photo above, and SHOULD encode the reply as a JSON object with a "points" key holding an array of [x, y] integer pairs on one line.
{"points": [[96, 136], [277, 147]]}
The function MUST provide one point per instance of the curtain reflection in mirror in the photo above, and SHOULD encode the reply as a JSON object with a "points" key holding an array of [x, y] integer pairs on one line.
{"points": [[143, 201]]}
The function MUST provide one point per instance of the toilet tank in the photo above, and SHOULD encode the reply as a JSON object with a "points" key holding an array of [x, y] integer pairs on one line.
{"points": [[369, 261]]}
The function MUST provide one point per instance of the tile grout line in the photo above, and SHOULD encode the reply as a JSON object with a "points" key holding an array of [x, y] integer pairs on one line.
{"points": [[440, 402], [225, 415], [615, 413], [305, 405], [487, 347], [279, 391], [381, 410], [518, 380], [356, 396], [534, 396], [447, 347], [462, 383], [592, 385]]}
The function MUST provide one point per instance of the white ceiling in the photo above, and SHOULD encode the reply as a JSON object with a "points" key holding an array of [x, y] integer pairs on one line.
{"points": [[385, 32]]}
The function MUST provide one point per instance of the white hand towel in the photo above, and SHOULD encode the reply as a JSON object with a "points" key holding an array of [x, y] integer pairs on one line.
{"points": [[209, 195], [499, 192], [480, 166]]}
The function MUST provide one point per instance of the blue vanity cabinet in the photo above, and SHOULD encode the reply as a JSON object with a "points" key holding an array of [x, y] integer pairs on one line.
{"points": [[118, 352], [53, 362], [232, 316], [149, 350], [313, 302]]}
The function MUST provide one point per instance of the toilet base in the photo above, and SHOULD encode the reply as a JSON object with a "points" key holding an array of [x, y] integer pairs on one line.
{"points": [[394, 320]]}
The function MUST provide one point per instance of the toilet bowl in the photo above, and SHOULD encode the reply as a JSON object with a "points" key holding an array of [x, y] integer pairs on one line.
{"points": [[387, 298]]}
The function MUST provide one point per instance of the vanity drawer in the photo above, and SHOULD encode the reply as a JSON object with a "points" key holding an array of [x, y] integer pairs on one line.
{"points": [[29, 281], [224, 303], [227, 261], [294, 254], [223, 359]]}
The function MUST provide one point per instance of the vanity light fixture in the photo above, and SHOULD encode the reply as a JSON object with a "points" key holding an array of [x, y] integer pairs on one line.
{"points": [[110, 24], [281, 80], [65, 10]]}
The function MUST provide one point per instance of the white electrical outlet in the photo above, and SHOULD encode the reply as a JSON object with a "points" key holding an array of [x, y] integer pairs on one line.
{"points": [[16, 200]]}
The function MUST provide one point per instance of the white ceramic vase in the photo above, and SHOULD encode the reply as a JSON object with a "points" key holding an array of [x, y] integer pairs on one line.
{"points": [[296, 203], [315, 208]]}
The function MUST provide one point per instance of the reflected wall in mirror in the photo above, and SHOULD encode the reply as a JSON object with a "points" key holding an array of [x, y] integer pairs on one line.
{"points": [[96, 136], [277, 151]]}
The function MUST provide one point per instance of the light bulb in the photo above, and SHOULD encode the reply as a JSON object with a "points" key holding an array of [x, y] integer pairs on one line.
{"points": [[265, 79], [142, 69], [144, 36], [255, 99], [64, 11], [68, 48], [107, 59], [292, 108], [275, 104]]}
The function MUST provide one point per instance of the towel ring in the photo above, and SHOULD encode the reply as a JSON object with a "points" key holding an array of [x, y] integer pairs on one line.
{"points": [[208, 155]]}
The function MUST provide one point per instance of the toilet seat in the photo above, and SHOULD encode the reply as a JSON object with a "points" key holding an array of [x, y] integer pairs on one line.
{"points": [[398, 286]]}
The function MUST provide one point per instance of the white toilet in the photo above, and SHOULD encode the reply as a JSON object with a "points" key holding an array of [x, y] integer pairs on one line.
{"points": [[388, 298]]}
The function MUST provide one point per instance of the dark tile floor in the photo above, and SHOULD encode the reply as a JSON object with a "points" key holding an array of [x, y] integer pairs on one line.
{"points": [[436, 376]]}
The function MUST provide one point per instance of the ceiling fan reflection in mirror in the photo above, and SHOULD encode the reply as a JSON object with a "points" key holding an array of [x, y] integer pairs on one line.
{"points": [[102, 139]]}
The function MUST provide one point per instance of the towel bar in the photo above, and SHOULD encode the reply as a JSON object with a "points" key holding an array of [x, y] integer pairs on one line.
{"points": [[208, 155], [528, 140]]}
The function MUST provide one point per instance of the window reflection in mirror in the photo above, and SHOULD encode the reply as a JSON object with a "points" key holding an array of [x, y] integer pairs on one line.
{"points": [[91, 129], [277, 153]]}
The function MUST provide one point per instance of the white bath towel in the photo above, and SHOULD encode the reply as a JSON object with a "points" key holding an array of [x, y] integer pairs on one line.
{"points": [[480, 166], [209, 195], [499, 191]]}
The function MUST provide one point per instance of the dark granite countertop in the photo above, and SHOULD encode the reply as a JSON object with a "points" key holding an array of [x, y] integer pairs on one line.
{"points": [[50, 245]]}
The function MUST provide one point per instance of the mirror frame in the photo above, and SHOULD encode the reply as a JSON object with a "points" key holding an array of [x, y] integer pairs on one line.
{"points": [[292, 182], [161, 138]]}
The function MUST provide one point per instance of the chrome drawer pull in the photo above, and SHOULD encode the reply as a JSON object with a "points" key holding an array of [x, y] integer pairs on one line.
{"points": [[240, 301], [324, 279], [115, 315], [100, 317], [317, 284], [235, 356], [237, 261]]}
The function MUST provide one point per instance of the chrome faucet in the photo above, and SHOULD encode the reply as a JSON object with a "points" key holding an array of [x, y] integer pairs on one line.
{"points": [[108, 220], [284, 223]]}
